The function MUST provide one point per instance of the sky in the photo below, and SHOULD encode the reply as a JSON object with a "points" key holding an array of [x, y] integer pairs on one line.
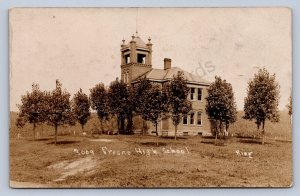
{"points": [[81, 46]]}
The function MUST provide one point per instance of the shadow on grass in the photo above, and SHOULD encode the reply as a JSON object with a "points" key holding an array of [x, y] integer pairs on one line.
{"points": [[251, 141], [283, 141], [212, 142], [172, 137], [40, 139], [63, 142], [156, 144]]}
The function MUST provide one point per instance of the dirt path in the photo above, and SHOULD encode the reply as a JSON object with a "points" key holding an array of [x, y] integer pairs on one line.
{"points": [[67, 168]]}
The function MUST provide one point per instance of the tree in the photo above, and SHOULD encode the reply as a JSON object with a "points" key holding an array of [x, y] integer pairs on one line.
{"points": [[220, 105], [59, 108], [262, 100], [177, 92], [141, 92], [81, 108], [99, 102], [290, 106], [119, 102], [156, 105], [32, 109]]}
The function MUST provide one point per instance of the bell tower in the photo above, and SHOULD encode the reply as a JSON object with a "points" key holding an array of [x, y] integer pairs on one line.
{"points": [[136, 58]]}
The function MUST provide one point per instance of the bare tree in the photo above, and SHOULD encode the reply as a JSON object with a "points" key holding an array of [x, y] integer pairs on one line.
{"points": [[262, 100]]}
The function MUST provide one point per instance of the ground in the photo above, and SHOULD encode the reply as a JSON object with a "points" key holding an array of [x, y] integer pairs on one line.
{"points": [[149, 161]]}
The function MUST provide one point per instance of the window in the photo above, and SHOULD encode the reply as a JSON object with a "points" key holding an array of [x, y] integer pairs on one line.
{"points": [[192, 116], [141, 58], [127, 58], [199, 118], [185, 119], [192, 93], [199, 94]]}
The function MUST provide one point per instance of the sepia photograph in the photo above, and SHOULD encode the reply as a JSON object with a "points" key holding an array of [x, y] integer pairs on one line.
{"points": [[150, 97]]}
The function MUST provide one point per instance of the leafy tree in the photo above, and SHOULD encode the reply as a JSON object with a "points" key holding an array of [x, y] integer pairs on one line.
{"points": [[81, 107], [20, 122], [262, 100], [32, 109], [156, 105], [220, 106], [141, 92], [177, 92], [59, 108], [99, 102], [119, 100]]}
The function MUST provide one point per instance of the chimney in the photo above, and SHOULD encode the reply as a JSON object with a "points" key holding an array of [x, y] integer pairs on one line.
{"points": [[167, 63]]}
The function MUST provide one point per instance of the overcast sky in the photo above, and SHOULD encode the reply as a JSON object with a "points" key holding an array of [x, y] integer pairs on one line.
{"points": [[81, 46]]}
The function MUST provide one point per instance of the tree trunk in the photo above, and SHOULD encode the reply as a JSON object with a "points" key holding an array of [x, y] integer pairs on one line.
{"points": [[156, 129], [226, 130], [144, 127], [129, 127], [219, 129], [122, 125], [118, 125], [118, 120], [263, 133], [216, 136], [55, 134], [175, 132], [101, 124], [34, 125]]}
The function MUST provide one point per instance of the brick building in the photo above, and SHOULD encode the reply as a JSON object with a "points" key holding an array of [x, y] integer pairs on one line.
{"points": [[136, 62]]}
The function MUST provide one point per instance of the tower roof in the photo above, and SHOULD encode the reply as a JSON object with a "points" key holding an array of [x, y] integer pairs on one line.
{"points": [[138, 41]]}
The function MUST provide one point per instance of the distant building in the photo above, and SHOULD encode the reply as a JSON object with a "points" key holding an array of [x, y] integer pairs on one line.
{"points": [[136, 62]]}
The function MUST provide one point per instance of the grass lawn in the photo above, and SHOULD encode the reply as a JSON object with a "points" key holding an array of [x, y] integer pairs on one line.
{"points": [[122, 161]]}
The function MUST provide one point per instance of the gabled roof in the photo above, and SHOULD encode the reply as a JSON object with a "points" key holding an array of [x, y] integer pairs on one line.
{"points": [[161, 75]]}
